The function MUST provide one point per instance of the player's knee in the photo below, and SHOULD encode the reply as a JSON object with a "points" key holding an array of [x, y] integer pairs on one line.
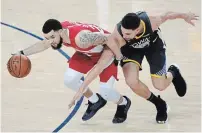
{"points": [[108, 92], [72, 83], [72, 78], [68, 81], [104, 91], [159, 86], [132, 82]]}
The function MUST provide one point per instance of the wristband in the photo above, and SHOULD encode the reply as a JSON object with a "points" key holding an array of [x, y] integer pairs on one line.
{"points": [[21, 52]]}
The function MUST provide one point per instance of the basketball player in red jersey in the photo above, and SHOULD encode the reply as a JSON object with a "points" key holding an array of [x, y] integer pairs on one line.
{"points": [[89, 42]]}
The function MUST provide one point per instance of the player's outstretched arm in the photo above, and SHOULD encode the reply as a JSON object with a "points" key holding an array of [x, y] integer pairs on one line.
{"points": [[105, 59], [156, 21], [35, 48]]}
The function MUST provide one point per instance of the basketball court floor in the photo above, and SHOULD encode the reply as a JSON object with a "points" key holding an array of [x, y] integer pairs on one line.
{"points": [[39, 102]]}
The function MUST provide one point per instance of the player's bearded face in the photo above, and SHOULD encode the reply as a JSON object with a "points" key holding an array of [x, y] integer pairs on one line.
{"points": [[54, 39], [59, 45]]}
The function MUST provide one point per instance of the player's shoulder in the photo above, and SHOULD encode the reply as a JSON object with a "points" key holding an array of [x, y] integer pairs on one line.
{"points": [[116, 33], [65, 23], [70, 23], [117, 36]]}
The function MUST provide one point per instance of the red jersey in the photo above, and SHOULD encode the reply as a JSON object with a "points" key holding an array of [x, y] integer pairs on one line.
{"points": [[74, 28]]}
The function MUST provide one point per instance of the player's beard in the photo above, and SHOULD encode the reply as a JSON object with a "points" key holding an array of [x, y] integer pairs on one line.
{"points": [[59, 45]]}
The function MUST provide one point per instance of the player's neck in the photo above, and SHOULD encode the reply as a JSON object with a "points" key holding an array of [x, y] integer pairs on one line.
{"points": [[65, 36]]}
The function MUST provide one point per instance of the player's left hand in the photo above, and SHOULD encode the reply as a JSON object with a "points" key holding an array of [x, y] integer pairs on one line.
{"points": [[189, 17], [76, 97]]}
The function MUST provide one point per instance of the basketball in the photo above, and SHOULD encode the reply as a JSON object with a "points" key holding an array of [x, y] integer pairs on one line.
{"points": [[19, 66]]}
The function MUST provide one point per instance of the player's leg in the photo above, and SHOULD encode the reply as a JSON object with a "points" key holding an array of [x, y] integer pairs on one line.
{"points": [[109, 93], [161, 79], [82, 64], [107, 78], [72, 78], [131, 69]]}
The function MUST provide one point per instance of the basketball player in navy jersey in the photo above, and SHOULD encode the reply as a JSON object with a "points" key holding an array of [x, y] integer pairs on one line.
{"points": [[138, 34]]}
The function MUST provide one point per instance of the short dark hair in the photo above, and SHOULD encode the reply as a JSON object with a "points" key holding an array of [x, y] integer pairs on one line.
{"points": [[130, 21], [51, 24]]}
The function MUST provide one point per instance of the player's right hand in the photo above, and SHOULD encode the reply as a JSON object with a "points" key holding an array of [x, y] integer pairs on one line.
{"points": [[117, 62], [189, 17]]}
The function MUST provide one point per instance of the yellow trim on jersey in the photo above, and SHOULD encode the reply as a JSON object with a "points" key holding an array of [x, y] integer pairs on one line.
{"points": [[144, 27], [134, 61], [156, 76]]}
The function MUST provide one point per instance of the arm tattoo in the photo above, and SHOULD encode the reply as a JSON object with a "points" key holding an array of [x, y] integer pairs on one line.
{"points": [[87, 39]]}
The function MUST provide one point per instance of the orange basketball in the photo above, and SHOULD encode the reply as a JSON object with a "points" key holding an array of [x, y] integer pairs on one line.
{"points": [[19, 66]]}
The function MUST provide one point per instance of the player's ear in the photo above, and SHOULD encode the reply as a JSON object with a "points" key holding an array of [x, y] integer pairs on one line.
{"points": [[137, 30]]}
